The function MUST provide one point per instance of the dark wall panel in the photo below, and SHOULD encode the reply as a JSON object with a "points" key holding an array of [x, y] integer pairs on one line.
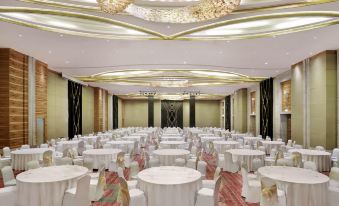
{"points": [[266, 108], [74, 109], [171, 113], [228, 112], [192, 111], [151, 111], [115, 112]]}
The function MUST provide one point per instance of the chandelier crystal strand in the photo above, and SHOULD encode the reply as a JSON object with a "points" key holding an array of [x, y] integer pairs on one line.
{"points": [[204, 10]]}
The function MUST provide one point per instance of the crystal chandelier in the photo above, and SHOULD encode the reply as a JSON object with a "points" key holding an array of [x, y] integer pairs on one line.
{"points": [[204, 10]]}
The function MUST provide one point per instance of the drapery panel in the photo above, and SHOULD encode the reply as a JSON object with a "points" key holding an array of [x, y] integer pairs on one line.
{"points": [[115, 111], [228, 112], [266, 108], [192, 111], [74, 109]]}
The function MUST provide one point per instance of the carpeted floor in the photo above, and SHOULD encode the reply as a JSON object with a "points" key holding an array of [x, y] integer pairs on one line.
{"points": [[231, 195]]}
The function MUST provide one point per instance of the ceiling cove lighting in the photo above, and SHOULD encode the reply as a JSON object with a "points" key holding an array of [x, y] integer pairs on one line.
{"points": [[301, 21], [214, 73], [62, 24]]}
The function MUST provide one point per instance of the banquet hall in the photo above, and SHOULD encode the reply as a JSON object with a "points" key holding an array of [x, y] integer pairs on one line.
{"points": [[169, 102]]}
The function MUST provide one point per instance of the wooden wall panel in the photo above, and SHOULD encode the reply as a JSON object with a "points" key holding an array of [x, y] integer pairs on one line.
{"points": [[41, 88], [286, 96], [4, 97], [98, 110]]}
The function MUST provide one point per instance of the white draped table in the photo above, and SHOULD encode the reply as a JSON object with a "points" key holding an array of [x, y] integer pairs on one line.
{"points": [[211, 138], [271, 144], [220, 146], [301, 186], [68, 144], [251, 140], [169, 186], [46, 186], [100, 156], [321, 158], [89, 139], [125, 146], [247, 155], [167, 156], [173, 144], [134, 138], [21, 157], [172, 138]]}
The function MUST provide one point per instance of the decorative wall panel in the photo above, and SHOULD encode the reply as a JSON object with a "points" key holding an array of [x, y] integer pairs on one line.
{"points": [[151, 111], [13, 98], [286, 96], [192, 111], [115, 112], [266, 108], [228, 112], [74, 109], [171, 113]]}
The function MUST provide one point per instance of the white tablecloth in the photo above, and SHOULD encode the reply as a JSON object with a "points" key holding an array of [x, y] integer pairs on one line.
{"points": [[68, 144], [172, 138], [220, 146], [211, 138], [173, 144], [246, 155], [132, 138], [170, 186], [302, 187], [21, 157], [87, 138], [101, 155], [125, 146], [46, 186], [167, 156], [321, 158], [271, 144], [252, 140]]}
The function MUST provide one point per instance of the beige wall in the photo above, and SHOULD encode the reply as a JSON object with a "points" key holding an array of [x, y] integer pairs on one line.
{"points": [[135, 113], [87, 110], [186, 113], [253, 121], [240, 110], [157, 113], [110, 111], [57, 106], [207, 113]]}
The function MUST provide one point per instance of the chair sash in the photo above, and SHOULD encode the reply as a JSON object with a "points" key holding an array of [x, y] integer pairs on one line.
{"points": [[212, 162], [110, 195], [47, 158], [296, 159]]}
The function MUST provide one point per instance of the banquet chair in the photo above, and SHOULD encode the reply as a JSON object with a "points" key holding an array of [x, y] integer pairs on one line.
{"points": [[25, 146], [180, 162], [6, 152], [107, 146], [81, 147], [47, 158], [335, 152], [201, 167], [8, 196], [79, 195], [44, 146], [310, 165], [336, 160], [250, 188], [136, 196], [34, 164], [134, 167], [78, 161], [97, 186], [211, 183], [8, 176], [88, 163], [320, 148], [132, 184], [229, 165], [256, 164], [333, 189], [270, 195], [68, 152], [208, 196], [279, 155], [296, 159]]}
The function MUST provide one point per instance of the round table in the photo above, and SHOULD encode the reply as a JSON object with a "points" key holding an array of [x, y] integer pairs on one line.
{"points": [[271, 144], [169, 186], [301, 186], [252, 140], [167, 156], [132, 138], [172, 138], [87, 138], [46, 186], [247, 155], [211, 138], [321, 158], [68, 144], [101, 156], [21, 157], [220, 146], [125, 146], [173, 144]]}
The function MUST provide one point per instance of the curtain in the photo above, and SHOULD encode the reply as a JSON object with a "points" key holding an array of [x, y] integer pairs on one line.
{"points": [[266, 108], [228, 112], [74, 109], [115, 112], [150, 111], [192, 111]]}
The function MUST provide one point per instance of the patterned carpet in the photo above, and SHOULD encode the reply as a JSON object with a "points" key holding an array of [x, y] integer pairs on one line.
{"points": [[231, 195]]}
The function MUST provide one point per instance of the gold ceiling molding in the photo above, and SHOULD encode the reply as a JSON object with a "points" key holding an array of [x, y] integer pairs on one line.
{"points": [[260, 8], [184, 35], [170, 78]]}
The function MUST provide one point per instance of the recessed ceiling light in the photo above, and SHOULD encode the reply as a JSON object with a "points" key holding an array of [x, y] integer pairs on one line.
{"points": [[66, 62], [266, 63], [50, 52], [20, 35], [315, 37], [61, 35], [287, 53]]}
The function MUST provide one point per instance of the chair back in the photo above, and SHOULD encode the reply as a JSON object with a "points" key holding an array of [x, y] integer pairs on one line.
{"points": [[120, 159], [335, 152], [34, 164], [296, 159], [278, 155], [123, 195], [310, 165], [7, 174], [202, 167], [256, 164], [269, 192], [66, 161], [47, 158], [88, 163], [134, 166], [334, 174], [101, 186], [217, 188], [68, 152], [6, 152], [82, 191]]}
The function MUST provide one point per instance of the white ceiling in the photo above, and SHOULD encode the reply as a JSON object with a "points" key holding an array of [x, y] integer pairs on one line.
{"points": [[81, 56]]}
